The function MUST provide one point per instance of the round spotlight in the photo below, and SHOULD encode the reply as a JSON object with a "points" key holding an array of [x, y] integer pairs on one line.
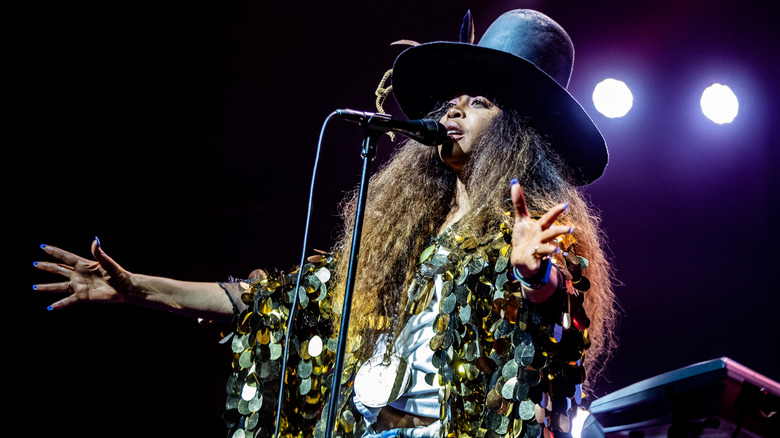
{"points": [[719, 104], [612, 98]]}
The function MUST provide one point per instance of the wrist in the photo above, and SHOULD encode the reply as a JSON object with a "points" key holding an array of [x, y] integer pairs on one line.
{"points": [[541, 286], [139, 289], [537, 280]]}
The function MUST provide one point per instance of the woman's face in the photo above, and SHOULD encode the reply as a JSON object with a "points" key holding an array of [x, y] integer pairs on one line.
{"points": [[466, 119]]}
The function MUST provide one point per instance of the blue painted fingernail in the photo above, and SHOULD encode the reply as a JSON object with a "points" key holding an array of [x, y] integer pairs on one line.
{"points": [[98, 241], [49, 308], [571, 230], [35, 264], [35, 287], [513, 182], [43, 246], [566, 207]]}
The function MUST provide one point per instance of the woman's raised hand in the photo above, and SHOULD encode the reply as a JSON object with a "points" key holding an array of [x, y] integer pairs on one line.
{"points": [[532, 240], [100, 280]]}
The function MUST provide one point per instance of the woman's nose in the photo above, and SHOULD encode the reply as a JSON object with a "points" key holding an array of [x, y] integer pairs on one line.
{"points": [[454, 112]]}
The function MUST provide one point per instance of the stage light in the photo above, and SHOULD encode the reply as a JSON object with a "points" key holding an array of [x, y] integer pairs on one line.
{"points": [[719, 104], [612, 98]]}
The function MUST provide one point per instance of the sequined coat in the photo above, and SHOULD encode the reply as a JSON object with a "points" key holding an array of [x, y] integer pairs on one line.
{"points": [[497, 355]]}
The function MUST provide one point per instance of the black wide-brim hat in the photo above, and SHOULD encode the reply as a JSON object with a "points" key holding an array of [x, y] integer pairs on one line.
{"points": [[524, 60]]}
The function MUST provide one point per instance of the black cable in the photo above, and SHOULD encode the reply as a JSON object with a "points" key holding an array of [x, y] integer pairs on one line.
{"points": [[293, 308]]}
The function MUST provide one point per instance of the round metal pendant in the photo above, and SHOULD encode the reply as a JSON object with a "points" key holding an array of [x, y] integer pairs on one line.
{"points": [[379, 382]]}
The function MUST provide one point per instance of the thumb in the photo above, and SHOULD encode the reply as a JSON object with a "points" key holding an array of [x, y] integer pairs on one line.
{"points": [[105, 261], [518, 199]]}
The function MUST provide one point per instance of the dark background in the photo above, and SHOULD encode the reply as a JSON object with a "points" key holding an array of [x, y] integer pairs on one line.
{"points": [[182, 134]]}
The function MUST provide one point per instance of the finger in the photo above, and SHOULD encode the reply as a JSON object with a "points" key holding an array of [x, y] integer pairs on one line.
{"points": [[63, 303], [548, 219], [555, 231], [55, 268], [545, 250], [542, 251], [518, 199], [63, 286], [62, 255]]}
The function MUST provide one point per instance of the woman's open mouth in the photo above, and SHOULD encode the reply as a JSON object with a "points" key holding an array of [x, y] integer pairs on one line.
{"points": [[453, 131]]}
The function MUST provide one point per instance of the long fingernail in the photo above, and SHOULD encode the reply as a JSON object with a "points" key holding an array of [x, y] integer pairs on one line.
{"points": [[513, 182], [35, 287], [35, 264], [43, 246], [98, 241], [50, 308]]}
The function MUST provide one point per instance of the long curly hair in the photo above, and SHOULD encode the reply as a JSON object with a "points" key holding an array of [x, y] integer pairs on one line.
{"points": [[408, 200]]}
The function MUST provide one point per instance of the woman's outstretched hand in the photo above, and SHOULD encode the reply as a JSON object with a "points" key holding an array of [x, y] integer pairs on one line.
{"points": [[532, 240], [101, 280]]}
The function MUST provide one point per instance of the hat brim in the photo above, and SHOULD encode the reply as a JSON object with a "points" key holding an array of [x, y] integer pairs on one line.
{"points": [[426, 74]]}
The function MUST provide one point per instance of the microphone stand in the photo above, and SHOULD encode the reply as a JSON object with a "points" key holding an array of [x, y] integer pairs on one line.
{"points": [[368, 153]]}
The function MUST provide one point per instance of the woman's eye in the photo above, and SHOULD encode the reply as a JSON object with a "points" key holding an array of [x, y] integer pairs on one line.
{"points": [[480, 102]]}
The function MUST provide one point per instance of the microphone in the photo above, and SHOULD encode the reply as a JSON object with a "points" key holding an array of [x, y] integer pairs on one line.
{"points": [[426, 131]]}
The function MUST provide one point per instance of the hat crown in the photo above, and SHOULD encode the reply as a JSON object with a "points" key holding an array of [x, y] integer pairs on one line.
{"points": [[536, 38]]}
